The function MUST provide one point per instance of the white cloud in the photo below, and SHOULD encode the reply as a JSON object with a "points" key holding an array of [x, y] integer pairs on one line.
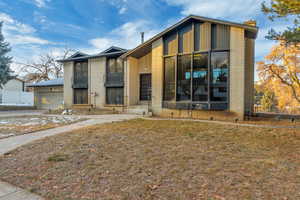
{"points": [[17, 33], [125, 36], [229, 9], [122, 10], [23, 39], [13, 25], [41, 3]]}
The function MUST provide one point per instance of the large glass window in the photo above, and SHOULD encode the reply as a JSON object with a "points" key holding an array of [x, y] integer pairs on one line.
{"points": [[184, 78], [114, 65], [200, 77], [169, 79], [219, 76], [114, 96], [80, 96], [81, 75]]}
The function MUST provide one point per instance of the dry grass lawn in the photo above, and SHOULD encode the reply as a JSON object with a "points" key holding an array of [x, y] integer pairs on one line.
{"points": [[160, 160], [13, 126]]}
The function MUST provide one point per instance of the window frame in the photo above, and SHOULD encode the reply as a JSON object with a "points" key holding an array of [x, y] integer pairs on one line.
{"points": [[209, 53], [107, 96]]}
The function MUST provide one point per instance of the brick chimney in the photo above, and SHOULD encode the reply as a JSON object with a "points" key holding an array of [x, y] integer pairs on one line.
{"points": [[250, 22]]}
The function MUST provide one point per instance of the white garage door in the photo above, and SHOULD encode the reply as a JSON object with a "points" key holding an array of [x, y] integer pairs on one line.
{"points": [[50, 100]]}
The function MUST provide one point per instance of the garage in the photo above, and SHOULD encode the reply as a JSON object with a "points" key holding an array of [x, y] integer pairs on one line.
{"points": [[48, 94]]}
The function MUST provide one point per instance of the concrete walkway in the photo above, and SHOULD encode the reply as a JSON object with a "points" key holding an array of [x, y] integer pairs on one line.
{"points": [[9, 192]]}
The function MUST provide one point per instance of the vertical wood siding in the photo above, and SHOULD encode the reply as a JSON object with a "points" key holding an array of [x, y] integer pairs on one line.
{"points": [[145, 63], [220, 36], [205, 37], [171, 45], [186, 39]]}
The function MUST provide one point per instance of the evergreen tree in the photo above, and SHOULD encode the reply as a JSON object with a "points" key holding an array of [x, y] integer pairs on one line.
{"points": [[284, 9], [5, 60]]}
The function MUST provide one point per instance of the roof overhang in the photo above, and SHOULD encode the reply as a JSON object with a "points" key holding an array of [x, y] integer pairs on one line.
{"points": [[81, 58], [146, 46]]}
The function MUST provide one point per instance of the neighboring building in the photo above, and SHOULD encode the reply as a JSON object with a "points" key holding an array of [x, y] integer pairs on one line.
{"points": [[12, 93], [197, 64], [48, 94], [94, 80]]}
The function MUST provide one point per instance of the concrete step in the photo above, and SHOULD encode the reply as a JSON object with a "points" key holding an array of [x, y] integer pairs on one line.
{"points": [[138, 110]]}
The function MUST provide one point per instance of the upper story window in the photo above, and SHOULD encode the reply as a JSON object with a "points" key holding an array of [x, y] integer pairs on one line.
{"points": [[80, 75], [114, 65]]}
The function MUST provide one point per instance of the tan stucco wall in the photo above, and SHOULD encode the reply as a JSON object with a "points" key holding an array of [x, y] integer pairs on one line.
{"points": [[68, 90], [249, 74], [132, 81], [157, 75], [145, 63], [237, 71], [97, 81]]}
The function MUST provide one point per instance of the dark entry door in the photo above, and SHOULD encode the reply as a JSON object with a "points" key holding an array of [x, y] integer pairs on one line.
{"points": [[145, 87]]}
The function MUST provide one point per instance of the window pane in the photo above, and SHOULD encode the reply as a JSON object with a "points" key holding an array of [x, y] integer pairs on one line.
{"points": [[219, 76], [169, 79], [111, 65], [80, 96], [184, 78], [119, 67], [200, 79], [114, 96]]}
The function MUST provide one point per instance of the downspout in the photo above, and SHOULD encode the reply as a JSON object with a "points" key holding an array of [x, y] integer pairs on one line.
{"points": [[90, 82]]}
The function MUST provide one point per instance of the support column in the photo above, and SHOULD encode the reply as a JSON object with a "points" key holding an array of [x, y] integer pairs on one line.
{"points": [[237, 72], [157, 76], [68, 78]]}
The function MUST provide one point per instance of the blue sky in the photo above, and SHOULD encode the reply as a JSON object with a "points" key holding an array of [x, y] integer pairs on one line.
{"points": [[34, 27]]}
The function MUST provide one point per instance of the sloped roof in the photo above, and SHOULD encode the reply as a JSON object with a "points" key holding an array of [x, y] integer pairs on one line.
{"points": [[78, 54], [146, 44], [112, 51], [53, 82]]}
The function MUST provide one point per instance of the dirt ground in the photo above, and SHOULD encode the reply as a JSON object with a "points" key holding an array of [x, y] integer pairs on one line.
{"points": [[160, 160], [11, 126]]}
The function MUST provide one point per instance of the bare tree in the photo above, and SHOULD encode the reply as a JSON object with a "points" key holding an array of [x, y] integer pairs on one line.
{"points": [[46, 67]]}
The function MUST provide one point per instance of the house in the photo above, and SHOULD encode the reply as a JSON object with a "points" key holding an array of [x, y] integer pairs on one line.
{"points": [[197, 64], [94, 81], [13, 93], [48, 94]]}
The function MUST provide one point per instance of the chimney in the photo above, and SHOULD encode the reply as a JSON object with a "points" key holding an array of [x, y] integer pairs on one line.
{"points": [[142, 37], [250, 22]]}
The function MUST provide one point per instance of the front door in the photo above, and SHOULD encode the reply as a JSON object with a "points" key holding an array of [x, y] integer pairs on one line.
{"points": [[145, 87]]}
